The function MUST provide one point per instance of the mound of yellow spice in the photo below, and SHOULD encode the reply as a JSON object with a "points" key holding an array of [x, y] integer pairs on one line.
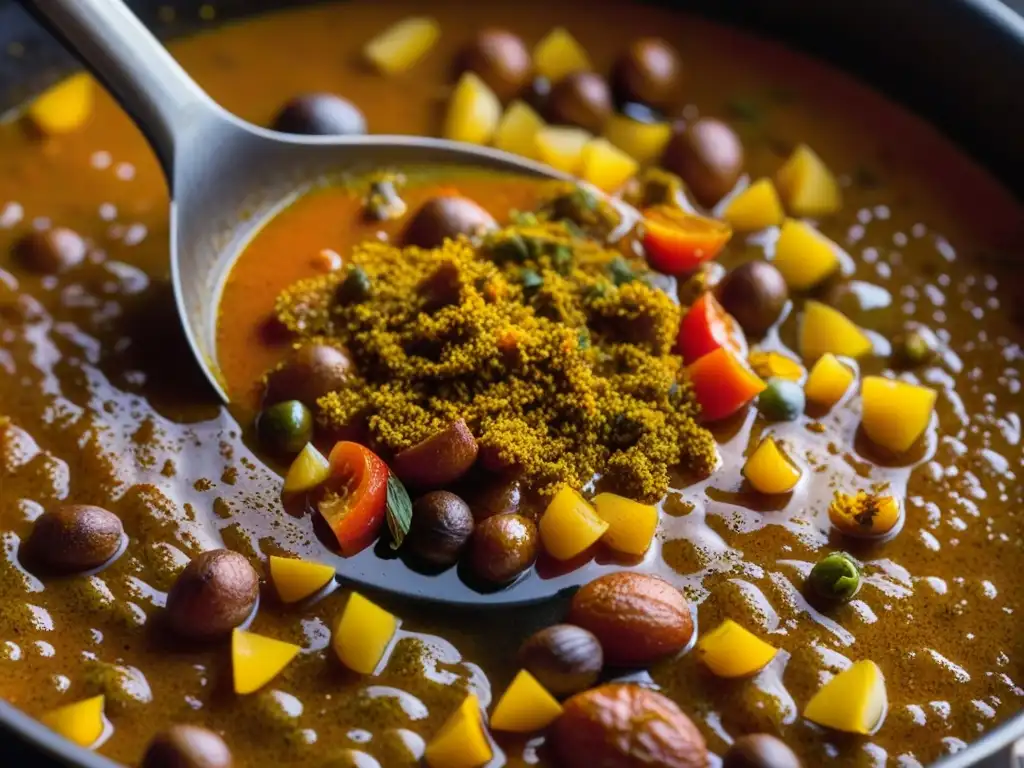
{"points": [[554, 349]]}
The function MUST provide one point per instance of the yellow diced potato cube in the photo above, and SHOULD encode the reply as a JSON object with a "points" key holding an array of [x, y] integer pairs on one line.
{"points": [[64, 107], [756, 207], [895, 413], [462, 741], [80, 722], [558, 55], [473, 111], [256, 660], [828, 381], [807, 185], [517, 131], [775, 365], [824, 330], [525, 706], [401, 45], [803, 255], [296, 580], [853, 701], [644, 142], [730, 650], [769, 470], [308, 470], [605, 166], [362, 634], [569, 525], [562, 148], [631, 525]]}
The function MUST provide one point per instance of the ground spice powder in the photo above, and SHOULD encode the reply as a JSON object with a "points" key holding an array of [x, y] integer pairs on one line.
{"points": [[552, 346]]}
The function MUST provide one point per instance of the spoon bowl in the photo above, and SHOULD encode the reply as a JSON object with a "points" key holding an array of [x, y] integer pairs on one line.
{"points": [[226, 178]]}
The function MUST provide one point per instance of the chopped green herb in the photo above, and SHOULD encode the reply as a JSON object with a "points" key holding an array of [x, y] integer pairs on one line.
{"points": [[621, 272], [583, 339], [530, 279], [561, 259], [510, 248], [399, 511], [524, 218]]}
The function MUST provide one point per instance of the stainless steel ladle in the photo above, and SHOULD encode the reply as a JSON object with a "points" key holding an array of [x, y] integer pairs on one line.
{"points": [[225, 177]]}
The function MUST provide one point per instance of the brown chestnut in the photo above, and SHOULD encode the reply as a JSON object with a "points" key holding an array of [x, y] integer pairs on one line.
{"points": [[320, 114], [75, 537], [494, 496], [500, 59], [440, 459], [760, 750], [446, 217], [754, 293], [51, 252], [503, 547], [564, 658], [309, 373], [649, 72], [187, 746], [214, 594], [708, 156], [441, 526], [582, 99]]}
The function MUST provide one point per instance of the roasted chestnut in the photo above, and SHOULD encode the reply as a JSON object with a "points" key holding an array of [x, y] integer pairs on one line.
{"points": [[755, 294], [760, 750], [708, 156], [564, 658], [441, 526], [320, 114], [214, 594], [309, 373], [50, 252], [649, 72], [440, 459], [503, 547], [582, 99], [446, 217], [75, 537], [187, 746], [501, 59]]}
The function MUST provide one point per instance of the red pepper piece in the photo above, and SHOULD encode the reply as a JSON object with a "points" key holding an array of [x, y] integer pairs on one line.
{"points": [[705, 327], [355, 496], [678, 242], [722, 384]]}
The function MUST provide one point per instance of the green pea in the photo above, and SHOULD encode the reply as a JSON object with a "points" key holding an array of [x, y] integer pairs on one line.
{"points": [[782, 400], [620, 270], [915, 347], [835, 577], [284, 428]]}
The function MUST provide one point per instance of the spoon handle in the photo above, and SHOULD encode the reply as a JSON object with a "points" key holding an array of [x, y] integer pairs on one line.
{"points": [[167, 105]]}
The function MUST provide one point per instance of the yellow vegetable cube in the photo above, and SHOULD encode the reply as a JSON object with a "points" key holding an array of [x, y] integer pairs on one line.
{"points": [[756, 207], [473, 111], [894, 413], [462, 741], [525, 706], [864, 514], [296, 580], [807, 185], [562, 148], [569, 526], [644, 142], [769, 470], [401, 45], [558, 55], [81, 722], [64, 107], [363, 634], [853, 701], [825, 330], [729, 650], [775, 365], [308, 470], [256, 660], [631, 525], [828, 381], [605, 166], [517, 131], [803, 255]]}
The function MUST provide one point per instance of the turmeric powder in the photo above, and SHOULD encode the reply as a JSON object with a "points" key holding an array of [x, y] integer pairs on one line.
{"points": [[549, 344]]}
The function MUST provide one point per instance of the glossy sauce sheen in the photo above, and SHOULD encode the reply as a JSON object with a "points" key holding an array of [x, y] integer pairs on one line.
{"points": [[106, 407]]}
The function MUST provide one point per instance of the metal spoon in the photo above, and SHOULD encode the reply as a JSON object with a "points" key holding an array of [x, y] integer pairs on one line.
{"points": [[226, 176]]}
